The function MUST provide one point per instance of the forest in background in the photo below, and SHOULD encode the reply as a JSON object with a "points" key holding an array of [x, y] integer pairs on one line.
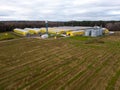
{"points": [[10, 25]]}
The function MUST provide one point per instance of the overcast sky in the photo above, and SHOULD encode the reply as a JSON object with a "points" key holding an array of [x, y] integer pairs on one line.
{"points": [[60, 10]]}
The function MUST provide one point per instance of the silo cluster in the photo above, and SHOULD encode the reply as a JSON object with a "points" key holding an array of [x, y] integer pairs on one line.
{"points": [[94, 32]]}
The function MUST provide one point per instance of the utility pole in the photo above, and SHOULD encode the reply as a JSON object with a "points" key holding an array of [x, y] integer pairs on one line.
{"points": [[46, 22]]}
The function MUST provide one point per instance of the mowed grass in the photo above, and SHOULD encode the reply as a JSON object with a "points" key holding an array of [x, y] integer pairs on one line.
{"points": [[8, 36], [73, 63]]}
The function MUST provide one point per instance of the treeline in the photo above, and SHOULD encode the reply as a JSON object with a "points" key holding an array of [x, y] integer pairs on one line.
{"points": [[111, 25], [10, 25]]}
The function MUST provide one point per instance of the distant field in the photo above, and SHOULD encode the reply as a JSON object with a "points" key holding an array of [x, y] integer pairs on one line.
{"points": [[75, 63], [8, 36]]}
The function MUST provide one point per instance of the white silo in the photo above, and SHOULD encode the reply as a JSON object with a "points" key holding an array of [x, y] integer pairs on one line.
{"points": [[100, 31], [87, 32], [94, 33]]}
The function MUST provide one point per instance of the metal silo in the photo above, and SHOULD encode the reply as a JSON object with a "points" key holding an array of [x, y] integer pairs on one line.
{"points": [[100, 31], [87, 32], [94, 33]]}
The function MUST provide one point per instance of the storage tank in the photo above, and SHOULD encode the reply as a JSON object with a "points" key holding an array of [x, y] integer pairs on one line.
{"points": [[98, 32], [88, 32], [101, 32], [94, 33]]}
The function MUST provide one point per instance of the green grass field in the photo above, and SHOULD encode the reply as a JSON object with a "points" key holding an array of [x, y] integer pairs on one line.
{"points": [[74, 63], [8, 36]]}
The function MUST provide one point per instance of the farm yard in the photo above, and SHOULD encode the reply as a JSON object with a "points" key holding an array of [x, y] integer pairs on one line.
{"points": [[72, 63]]}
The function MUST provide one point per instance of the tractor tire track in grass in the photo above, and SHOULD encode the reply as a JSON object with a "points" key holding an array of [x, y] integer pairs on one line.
{"points": [[69, 64], [37, 60], [8, 44], [112, 82], [32, 56], [38, 54], [29, 46], [117, 85], [68, 72], [47, 73], [21, 48], [80, 82], [102, 82], [53, 51], [109, 70], [87, 80], [48, 65], [75, 77], [22, 56]]}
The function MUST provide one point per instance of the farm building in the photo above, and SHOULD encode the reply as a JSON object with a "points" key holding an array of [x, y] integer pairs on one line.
{"points": [[71, 31], [43, 30], [54, 30], [96, 31], [21, 31], [33, 30], [62, 30]]}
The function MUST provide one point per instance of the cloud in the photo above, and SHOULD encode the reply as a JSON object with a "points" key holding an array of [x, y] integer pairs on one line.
{"points": [[59, 10]]}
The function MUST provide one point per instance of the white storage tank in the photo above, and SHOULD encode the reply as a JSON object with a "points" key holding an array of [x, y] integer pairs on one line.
{"points": [[98, 32], [101, 32], [94, 33], [88, 32]]}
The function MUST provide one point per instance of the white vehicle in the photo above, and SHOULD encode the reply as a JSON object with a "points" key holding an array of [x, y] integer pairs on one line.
{"points": [[44, 36]]}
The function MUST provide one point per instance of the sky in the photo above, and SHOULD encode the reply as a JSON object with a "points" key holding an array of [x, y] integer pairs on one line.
{"points": [[59, 10]]}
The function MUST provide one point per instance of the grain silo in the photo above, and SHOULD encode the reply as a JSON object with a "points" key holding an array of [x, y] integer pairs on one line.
{"points": [[94, 33], [100, 31], [88, 32]]}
